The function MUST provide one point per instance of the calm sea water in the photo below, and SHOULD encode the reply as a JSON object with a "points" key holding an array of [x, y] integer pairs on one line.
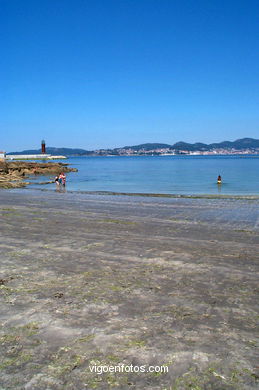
{"points": [[165, 174]]}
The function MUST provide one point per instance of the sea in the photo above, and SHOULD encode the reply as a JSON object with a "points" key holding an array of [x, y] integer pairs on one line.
{"points": [[176, 175]]}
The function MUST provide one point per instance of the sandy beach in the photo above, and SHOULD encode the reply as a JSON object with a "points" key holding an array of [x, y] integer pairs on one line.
{"points": [[101, 280]]}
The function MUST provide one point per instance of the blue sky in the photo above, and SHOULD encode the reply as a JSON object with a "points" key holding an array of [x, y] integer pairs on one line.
{"points": [[109, 73]]}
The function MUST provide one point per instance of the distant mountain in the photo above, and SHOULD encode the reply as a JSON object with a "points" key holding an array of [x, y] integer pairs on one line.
{"points": [[244, 143], [189, 147], [149, 146], [239, 144]]}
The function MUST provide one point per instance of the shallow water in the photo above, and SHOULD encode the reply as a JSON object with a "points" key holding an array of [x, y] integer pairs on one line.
{"points": [[234, 213], [188, 175]]}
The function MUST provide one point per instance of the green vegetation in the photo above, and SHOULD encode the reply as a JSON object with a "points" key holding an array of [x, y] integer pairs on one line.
{"points": [[117, 221]]}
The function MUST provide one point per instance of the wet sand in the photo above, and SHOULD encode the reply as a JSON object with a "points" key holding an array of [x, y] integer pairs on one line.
{"points": [[101, 279]]}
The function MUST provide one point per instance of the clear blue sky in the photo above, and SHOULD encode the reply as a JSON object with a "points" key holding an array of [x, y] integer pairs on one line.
{"points": [[109, 73]]}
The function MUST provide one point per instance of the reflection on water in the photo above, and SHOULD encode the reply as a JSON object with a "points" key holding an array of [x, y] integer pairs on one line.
{"points": [[219, 187], [60, 188]]}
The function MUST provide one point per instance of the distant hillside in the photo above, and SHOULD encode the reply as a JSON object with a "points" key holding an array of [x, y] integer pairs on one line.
{"points": [[239, 144], [56, 151], [149, 146]]}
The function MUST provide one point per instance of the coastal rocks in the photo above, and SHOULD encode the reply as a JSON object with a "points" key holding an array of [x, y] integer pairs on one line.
{"points": [[12, 174]]}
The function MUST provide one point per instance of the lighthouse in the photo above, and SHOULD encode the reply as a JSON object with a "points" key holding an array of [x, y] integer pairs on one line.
{"points": [[43, 147]]}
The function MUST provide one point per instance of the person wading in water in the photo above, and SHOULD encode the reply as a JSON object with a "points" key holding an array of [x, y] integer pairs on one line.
{"points": [[62, 179]]}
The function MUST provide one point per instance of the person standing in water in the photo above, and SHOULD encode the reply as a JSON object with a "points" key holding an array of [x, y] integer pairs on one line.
{"points": [[56, 180], [62, 179], [219, 179]]}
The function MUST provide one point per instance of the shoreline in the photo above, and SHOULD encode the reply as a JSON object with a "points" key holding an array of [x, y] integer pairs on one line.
{"points": [[148, 195]]}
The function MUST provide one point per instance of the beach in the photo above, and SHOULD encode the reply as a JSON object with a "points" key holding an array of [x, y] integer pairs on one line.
{"points": [[92, 280]]}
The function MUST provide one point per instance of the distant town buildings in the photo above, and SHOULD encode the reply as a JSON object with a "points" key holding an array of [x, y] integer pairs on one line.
{"points": [[170, 152]]}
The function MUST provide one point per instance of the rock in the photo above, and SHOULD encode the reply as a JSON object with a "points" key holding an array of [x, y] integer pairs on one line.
{"points": [[13, 173]]}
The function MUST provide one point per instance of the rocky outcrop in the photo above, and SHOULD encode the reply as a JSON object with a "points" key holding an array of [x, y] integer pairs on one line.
{"points": [[14, 174]]}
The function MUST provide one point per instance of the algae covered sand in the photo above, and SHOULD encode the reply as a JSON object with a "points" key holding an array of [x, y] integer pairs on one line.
{"points": [[89, 281]]}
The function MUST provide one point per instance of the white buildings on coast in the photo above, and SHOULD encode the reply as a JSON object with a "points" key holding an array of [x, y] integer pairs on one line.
{"points": [[32, 157], [171, 152], [2, 155]]}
